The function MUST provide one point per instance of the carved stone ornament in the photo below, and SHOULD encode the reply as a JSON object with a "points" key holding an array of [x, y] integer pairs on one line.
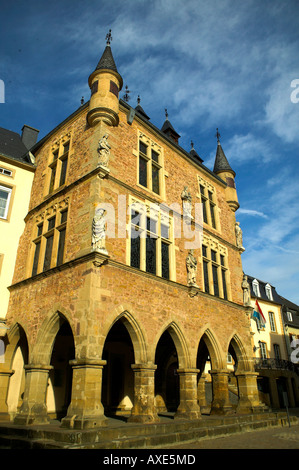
{"points": [[187, 202], [99, 231], [104, 152], [191, 265], [246, 291], [239, 237]]}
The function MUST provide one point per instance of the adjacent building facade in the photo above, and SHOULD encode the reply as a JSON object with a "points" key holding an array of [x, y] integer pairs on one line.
{"points": [[128, 276], [16, 176], [278, 377]]}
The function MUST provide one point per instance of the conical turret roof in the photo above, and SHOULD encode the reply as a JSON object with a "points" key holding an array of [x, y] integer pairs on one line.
{"points": [[221, 163], [107, 61]]}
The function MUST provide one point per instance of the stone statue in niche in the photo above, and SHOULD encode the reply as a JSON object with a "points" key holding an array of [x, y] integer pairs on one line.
{"points": [[191, 265], [246, 291], [99, 231], [187, 202], [239, 236], [104, 151]]}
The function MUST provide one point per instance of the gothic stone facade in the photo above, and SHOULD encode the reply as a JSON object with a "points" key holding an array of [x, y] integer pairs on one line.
{"points": [[104, 323]]}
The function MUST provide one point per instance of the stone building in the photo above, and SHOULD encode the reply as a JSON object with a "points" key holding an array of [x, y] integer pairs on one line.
{"points": [[128, 275]]}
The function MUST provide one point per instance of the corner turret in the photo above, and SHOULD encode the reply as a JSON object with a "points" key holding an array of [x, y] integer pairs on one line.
{"points": [[105, 84], [223, 169]]}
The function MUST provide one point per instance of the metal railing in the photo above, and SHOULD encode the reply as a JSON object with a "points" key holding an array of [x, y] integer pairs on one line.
{"points": [[275, 364]]}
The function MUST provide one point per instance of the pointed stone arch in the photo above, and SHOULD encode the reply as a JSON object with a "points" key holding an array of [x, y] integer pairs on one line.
{"points": [[16, 334], [212, 344], [235, 345], [42, 350], [136, 334], [180, 343]]}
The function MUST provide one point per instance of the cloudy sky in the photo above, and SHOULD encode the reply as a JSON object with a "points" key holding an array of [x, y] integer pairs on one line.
{"points": [[229, 64]]}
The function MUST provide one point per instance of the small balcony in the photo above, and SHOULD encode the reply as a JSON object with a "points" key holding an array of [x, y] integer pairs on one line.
{"points": [[275, 364]]}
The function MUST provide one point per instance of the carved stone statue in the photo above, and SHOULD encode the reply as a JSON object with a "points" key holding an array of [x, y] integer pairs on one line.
{"points": [[191, 265], [187, 202], [104, 151], [246, 291], [239, 236], [99, 231]]}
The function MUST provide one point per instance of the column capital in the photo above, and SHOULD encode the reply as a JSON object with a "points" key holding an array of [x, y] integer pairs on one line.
{"points": [[87, 363], [188, 371], [38, 367], [144, 366], [219, 372]]}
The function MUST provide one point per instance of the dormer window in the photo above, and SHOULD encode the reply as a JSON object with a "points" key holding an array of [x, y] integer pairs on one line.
{"points": [[268, 290], [256, 288]]}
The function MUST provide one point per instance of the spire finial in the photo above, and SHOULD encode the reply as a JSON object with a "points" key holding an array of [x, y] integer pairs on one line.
{"points": [[138, 99], [108, 37], [82, 100], [192, 144], [217, 135], [166, 113], [126, 95]]}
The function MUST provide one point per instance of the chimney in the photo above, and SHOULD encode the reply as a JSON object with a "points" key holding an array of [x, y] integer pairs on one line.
{"points": [[29, 136]]}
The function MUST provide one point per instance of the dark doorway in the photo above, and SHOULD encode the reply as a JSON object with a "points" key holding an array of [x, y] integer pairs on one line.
{"points": [[118, 377], [60, 377], [167, 386]]}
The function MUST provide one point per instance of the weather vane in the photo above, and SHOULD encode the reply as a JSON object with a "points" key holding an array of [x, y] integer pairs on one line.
{"points": [[138, 99], [217, 134], [108, 37], [166, 113], [126, 95]]}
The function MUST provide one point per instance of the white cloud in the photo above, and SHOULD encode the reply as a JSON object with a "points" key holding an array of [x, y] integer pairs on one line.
{"points": [[252, 212]]}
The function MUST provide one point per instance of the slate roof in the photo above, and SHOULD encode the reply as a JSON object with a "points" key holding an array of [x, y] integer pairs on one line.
{"points": [[11, 146], [221, 162], [262, 284], [168, 127], [107, 61], [294, 309]]}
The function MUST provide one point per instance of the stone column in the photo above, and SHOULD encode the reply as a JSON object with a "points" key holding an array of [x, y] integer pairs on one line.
{"points": [[5, 375], [144, 410], [201, 395], [188, 407], [220, 399], [34, 408], [86, 409], [248, 392]]}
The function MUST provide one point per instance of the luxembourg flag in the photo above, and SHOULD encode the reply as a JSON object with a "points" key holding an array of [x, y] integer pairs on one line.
{"points": [[257, 313]]}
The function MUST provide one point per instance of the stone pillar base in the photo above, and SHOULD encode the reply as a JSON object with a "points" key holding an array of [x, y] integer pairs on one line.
{"points": [[220, 402], [188, 407], [144, 410], [34, 409], [5, 375], [86, 409], [83, 422], [248, 392]]}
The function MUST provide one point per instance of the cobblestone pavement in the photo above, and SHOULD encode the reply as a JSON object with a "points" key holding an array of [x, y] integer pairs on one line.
{"points": [[273, 438]]}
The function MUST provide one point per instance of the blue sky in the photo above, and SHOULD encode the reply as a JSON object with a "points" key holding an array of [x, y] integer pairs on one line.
{"points": [[217, 63]]}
